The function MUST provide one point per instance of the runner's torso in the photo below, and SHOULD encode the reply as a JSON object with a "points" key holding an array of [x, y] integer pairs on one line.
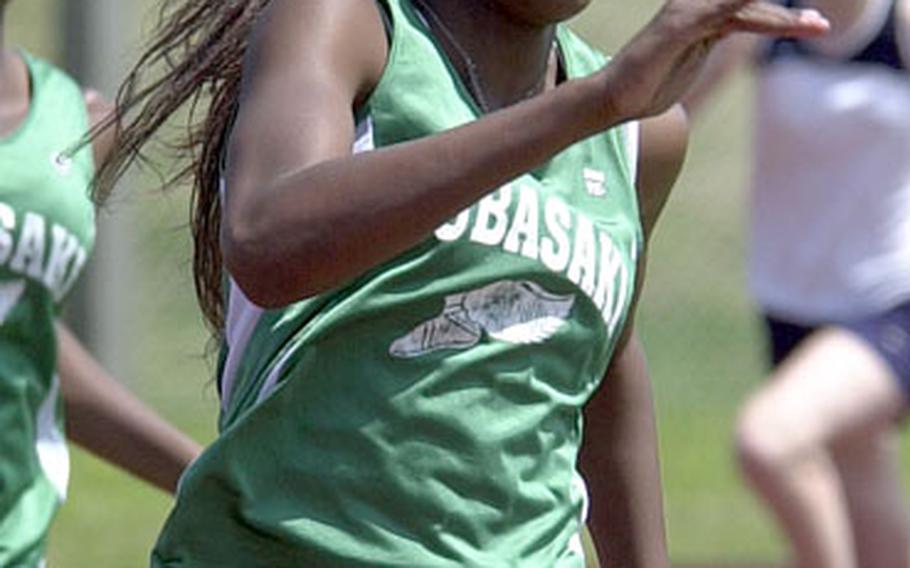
{"points": [[427, 413], [46, 233]]}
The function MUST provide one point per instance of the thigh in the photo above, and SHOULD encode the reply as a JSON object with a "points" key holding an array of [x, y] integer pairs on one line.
{"points": [[834, 384], [869, 469]]}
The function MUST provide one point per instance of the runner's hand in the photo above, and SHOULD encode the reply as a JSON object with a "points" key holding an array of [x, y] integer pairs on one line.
{"points": [[657, 66]]}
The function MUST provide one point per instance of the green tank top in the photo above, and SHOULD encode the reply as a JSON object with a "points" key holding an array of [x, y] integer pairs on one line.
{"points": [[429, 412], [46, 231]]}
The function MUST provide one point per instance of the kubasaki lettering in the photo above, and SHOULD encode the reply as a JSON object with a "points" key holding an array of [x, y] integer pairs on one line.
{"points": [[51, 256], [566, 242]]}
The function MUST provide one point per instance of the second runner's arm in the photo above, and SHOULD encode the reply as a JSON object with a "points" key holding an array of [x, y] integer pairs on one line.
{"points": [[105, 418]]}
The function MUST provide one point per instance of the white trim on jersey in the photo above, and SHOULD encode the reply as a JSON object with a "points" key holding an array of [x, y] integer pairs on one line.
{"points": [[577, 547], [50, 443], [243, 315], [271, 382], [242, 318], [580, 487], [363, 137], [632, 140]]}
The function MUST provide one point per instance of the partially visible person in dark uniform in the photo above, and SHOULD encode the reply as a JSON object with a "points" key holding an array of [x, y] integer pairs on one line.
{"points": [[830, 270]]}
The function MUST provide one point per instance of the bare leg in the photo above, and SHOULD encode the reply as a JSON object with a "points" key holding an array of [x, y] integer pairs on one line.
{"points": [[869, 471], [833, 387]]}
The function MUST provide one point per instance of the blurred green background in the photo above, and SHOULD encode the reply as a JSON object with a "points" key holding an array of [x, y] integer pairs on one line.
{"points": [[703, 339]]}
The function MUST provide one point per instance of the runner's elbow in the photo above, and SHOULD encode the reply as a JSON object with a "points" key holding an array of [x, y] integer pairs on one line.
{"points": [[258, 267]]}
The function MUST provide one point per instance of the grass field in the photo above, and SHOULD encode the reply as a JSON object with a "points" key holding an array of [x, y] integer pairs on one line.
{"points": [[703, 341]]}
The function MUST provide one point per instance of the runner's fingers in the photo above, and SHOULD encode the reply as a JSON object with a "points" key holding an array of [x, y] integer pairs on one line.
{"points": [[770, 19], [689, 21]]}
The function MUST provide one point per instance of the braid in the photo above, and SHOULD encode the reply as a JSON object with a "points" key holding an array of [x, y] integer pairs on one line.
{"points": [[193, 63]]}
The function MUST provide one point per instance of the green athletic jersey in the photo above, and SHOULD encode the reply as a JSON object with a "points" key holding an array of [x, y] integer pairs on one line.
{"points": [[47, 228], [427, 413]]}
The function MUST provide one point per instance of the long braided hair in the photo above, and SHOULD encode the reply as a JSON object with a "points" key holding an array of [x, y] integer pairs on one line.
{"points": [[193, 63]]}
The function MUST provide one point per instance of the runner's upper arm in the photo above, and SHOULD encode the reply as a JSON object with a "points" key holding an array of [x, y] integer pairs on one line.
{"points": [[310, 62], [664, 140]]}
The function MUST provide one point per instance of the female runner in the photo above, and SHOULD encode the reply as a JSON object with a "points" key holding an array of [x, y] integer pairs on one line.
{"points": [[830, 270], [46, 233], [427, 221]]}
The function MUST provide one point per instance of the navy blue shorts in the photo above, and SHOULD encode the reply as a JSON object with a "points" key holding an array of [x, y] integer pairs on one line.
{"points": [[888, 334]]}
